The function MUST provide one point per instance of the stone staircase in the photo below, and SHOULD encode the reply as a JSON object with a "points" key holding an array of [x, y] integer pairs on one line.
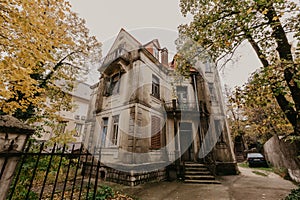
{"points": [[198, 173]]}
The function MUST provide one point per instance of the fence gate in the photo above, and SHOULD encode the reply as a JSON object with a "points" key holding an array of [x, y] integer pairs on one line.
{"points": [[53, 172]]}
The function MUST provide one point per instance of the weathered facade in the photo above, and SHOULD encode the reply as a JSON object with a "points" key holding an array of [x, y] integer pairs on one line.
{"points": [[143, 119]]}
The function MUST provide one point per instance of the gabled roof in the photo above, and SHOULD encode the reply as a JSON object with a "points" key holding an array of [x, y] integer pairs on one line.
{"points": [[124, 41], [154, 42], [125, 36]]}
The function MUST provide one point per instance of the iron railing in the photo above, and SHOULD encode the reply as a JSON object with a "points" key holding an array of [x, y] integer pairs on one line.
{"points": [[109, 58], [181, 106], [56, 172]]}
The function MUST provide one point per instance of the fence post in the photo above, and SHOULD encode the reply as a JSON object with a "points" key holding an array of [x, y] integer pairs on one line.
{"points": [[13, 137]]}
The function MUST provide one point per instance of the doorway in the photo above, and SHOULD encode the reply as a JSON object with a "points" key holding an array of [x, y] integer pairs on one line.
{"points": [[186, 141]]}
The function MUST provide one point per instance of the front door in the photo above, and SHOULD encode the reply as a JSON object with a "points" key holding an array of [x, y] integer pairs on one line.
{"points": [[186, 141]]}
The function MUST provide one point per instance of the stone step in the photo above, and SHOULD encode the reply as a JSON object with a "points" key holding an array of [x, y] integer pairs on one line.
{"points": [[202, 181], [196, 168], [197, 172], [194, 165], [199, 177]]}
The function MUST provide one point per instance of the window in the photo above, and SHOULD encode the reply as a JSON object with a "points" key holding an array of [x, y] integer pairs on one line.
{"points": [[104, 131], [155, 86], [155, 53], [115, 130], [155, 133], [182, 96], [212, 91], [181, 93], [207, 66], [78, 129], [61, 127], [114, 84]]}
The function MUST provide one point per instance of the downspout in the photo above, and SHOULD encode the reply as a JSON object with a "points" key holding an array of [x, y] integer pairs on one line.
{"points": [[196, 91], [177, 157], [201, 140]]}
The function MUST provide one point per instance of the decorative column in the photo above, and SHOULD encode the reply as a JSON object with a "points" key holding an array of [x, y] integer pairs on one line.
{"points": [[13, 137]]}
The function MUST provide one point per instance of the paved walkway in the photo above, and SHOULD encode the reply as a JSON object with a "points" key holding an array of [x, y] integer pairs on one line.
{"points": [[246, 186]]}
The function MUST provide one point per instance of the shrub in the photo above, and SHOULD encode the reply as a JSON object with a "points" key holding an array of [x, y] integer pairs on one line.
{"points": [[294, 195], [103, 192]]}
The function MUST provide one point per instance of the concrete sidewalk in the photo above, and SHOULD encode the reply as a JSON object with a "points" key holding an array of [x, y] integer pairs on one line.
{"points": [[246, 186]]}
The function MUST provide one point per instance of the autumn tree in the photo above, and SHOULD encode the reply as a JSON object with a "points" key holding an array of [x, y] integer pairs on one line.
{"points": [[44, 47], [260, 114], [221, 26], [235, 114]]}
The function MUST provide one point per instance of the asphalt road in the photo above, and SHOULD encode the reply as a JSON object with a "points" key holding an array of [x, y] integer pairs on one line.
{"points": [[246, 186]]}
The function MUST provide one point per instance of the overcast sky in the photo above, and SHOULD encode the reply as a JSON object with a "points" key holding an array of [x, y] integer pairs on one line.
{"points": [[147, 20]]}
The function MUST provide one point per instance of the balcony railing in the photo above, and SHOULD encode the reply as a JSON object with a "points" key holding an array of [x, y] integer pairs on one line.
{"points": [[181, 106], [109, 58]]}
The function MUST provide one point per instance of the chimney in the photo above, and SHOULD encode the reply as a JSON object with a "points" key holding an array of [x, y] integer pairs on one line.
{"points": [[164, 56]]}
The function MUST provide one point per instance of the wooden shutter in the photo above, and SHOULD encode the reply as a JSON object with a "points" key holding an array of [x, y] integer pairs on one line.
{"points": [[155, 133]]}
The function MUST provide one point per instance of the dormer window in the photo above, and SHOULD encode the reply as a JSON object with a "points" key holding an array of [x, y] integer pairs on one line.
{"points": [[155, 53]]}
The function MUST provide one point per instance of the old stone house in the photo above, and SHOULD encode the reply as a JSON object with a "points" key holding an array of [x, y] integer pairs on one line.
{"points": [[143, 120]]}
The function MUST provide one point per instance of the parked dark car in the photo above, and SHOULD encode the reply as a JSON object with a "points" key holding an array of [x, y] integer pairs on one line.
{"points": [[256, 160]]}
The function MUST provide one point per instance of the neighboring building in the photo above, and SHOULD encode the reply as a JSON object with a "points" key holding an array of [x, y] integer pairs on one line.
{"points": [[142, 119], [74, 120]]}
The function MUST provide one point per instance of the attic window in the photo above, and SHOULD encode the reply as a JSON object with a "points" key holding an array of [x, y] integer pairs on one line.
{"points": [[155, 53]]}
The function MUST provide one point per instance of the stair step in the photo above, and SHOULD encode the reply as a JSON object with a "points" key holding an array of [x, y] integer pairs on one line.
{"points": [[197, 177], [197, 173], [202, 181], [194, 164], [196, 168]]}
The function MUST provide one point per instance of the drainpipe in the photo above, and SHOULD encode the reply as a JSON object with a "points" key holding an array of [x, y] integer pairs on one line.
{"points": [[177, 159], [196, 92], [200, 136]]}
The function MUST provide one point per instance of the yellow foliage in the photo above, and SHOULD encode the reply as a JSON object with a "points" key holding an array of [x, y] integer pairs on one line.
{"points": [[37, 42]]}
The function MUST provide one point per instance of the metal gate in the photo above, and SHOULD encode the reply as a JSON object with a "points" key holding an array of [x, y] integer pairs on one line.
{"points": [[53, 172]]}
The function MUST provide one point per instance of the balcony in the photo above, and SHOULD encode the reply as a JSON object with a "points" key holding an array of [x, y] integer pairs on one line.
{"points": [[116, 55], [181, 106]]}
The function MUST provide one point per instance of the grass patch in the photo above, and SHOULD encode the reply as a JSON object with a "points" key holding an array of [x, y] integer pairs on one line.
{"points": [[259, 173], [243, 164], [268, 169]]}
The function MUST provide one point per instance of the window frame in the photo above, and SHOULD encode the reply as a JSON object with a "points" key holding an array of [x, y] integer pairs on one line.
{"points": [[78, 131], [211, 88], [115, 130], [155, 91], [156, 133], [113, 85], [61, 127], [208, 67], [104, 131]]}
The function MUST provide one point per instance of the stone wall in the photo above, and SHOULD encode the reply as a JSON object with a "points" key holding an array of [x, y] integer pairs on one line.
{"points": [[131, 178], [282, 153]]}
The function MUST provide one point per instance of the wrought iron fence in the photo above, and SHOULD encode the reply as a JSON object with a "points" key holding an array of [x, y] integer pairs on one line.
{"points": [[53, 172]]}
